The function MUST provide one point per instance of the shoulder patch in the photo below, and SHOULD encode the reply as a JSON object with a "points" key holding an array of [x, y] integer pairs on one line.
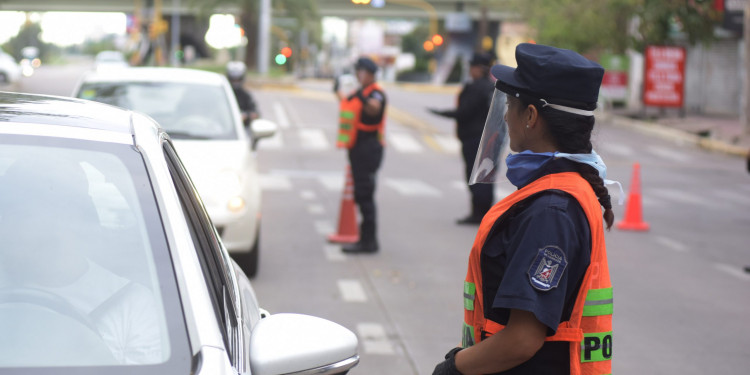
{"points": [[547, 269]]}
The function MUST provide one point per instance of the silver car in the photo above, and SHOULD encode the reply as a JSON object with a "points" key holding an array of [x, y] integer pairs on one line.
{"points": [[109, 263]]}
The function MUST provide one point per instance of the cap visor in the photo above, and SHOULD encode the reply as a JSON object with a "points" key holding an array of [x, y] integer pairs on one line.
{"points": [[506, 75]]}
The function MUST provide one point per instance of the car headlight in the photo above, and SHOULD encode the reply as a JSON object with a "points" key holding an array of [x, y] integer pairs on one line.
{"points": [[236, 204]]}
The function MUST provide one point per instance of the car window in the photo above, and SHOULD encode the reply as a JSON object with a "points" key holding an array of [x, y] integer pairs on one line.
{"points": [[215, 261], [184, 110], [85, 272]]}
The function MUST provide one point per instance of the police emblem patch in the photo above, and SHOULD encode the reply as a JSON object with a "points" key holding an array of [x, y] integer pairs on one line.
{"points": [[547, 269]]}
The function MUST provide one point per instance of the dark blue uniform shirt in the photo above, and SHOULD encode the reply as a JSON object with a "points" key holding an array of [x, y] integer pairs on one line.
{"points": [[511, 258]]}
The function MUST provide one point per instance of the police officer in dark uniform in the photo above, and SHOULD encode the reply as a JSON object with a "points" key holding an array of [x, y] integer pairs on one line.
{"points": [[470, 115], [236, 74], [366, 154], [537, 296]]}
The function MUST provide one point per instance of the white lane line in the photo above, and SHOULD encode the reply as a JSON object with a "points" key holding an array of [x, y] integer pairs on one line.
{"points": [[733, 271], [313, 139], [680, 196], [671, 244], [733, 196], [316, 209], [331, 182], [270, 182], [412, 187], [281, 118], [449, 144], [323, 227], [666, 153], [459, 185], [617, 149], [352, 291], [373, 339], [404, 142], [307, 195], [333, 253]]}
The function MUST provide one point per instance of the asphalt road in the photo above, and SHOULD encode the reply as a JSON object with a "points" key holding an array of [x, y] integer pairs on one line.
{"points": [[681, 295]]}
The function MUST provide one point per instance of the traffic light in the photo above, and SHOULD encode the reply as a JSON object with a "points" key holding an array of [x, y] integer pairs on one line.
{"points": [[280, 59], [287, 52], [437, 40], [428, 46], [361, 2]]}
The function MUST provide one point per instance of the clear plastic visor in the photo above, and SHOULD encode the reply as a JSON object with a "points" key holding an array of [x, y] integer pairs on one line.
{"points": [[493, 144]]}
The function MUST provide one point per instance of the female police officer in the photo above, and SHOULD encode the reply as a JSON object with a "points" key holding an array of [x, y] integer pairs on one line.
{"points": [[537, 295]]}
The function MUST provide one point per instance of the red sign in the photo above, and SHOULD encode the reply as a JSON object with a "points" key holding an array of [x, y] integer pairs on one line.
{"points": [[664, 80]]}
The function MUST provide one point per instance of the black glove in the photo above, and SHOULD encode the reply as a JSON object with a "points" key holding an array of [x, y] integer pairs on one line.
{"points": [[435, 111], [448, 367], [361, 96], [336, 84]]}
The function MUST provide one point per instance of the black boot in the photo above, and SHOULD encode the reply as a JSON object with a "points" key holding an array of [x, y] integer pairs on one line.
{"points": [[470, 220], [370, 246]]}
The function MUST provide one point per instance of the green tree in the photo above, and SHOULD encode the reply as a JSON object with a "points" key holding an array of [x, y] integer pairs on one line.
{"points": [[591, 26], [304, 13], [28, 36]]}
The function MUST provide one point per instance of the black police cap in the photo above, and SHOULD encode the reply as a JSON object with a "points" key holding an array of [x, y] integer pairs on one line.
{"points": [[482, 59], [366, 64], [553, 74]]}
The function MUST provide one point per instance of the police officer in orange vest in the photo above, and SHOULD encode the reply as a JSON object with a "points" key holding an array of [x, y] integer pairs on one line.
{"points": [[537, 295], [362, 122]]}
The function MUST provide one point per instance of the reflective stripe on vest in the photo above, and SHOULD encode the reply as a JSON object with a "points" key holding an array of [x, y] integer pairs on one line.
{"points": [[589, 329], [350, 111]]}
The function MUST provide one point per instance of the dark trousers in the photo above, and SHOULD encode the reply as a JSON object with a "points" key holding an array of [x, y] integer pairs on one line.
{"points": [[482, 195], [365, 158]]}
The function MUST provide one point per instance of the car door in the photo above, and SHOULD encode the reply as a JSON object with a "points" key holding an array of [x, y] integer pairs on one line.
{"points": [[217, 267]]}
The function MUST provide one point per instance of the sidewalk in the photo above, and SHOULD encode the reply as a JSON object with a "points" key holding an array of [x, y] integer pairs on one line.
{"points": [[715, 133]]}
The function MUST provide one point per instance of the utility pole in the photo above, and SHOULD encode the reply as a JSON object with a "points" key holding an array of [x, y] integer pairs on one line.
{"points": [[264, 31], [175, 30], [745, 113]]}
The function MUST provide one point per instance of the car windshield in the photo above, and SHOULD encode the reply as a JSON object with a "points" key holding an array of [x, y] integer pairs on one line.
{"points": [[184, 110], [86, 280]]}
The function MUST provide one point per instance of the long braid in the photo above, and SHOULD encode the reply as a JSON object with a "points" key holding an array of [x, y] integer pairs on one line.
{"points": [[572, 134]]}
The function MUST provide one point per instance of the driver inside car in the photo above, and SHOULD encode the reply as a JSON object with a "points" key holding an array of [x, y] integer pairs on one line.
{"points": [[47, 223]]}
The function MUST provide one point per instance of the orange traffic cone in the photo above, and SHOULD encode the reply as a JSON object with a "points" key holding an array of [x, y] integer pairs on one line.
{"points": [[348, 231], [633, 215]]}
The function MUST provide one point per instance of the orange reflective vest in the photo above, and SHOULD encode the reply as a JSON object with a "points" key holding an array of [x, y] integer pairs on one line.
{"points": [[350, 112], [589, 329]]}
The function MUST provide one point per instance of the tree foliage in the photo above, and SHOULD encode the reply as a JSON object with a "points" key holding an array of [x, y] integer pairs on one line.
{"points": [[28, 36], [591, 26]]}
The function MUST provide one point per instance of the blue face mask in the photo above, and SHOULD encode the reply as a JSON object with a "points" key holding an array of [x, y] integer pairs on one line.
{"points": [[523, 166]]}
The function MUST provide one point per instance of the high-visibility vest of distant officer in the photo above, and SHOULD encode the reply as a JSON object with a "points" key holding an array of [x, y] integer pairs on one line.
{"points": [[350, 112]]}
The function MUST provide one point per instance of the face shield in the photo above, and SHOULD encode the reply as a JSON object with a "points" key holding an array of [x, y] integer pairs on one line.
{"points": [[493, 144]]}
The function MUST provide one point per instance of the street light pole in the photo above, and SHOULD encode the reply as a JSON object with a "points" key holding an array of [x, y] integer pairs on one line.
{"points": [[175, 33], [745, 112], [264, 29]]}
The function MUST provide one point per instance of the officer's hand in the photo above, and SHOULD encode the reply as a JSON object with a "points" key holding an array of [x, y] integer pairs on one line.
{"points": [[435, 111], [448, 367], [336, 84]]}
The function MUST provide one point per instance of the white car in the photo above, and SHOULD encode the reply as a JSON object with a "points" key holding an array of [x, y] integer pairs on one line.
{"points": [[110, 60], [109, 263], [10, 71], [200, 113]]}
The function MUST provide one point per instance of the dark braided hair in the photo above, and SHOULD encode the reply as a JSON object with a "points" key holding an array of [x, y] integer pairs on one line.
{"points": [[571, 133]]}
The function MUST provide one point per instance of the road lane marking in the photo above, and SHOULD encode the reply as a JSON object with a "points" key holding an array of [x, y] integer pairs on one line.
{"points": [[733, 271], [404, 142], [617, 149], [447, 144], [278, 183], [733, 196], [672, 244], [281, 118], [313, 139], [412, 187], [666, 153], [374, 339], [316, 209], [352, 291], [680, 196], [307, 195], [332, 183], [333, 253], [323, 227]]}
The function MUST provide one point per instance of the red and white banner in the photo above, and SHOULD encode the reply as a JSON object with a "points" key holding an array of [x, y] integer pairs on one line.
{"points": [[664, 80]]}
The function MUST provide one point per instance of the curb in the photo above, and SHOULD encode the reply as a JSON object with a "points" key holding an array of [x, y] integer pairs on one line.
{"points": [[678, 136]]}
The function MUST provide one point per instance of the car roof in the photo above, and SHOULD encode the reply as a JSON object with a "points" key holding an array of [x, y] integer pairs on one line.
{"points": [[64, 111], [156, 74]]}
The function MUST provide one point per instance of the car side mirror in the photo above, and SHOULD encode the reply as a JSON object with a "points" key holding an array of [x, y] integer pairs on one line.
{"points": [[262, 128], [301, 344]]}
